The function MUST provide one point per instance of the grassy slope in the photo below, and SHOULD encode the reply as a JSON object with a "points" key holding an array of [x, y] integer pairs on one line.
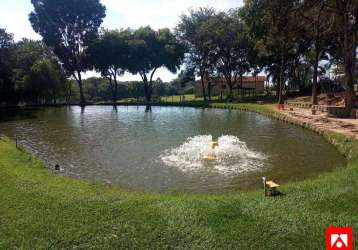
{"points": [[42, 210]]}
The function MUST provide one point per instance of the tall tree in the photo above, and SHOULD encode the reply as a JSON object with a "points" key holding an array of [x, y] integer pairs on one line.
{"points": [[34, 58], [109, 56], [69, 26], [275, 36], [7, 86], [193, 31], [232, 47], [151, 50], [43, 82], [345, 13], [316, 23]]}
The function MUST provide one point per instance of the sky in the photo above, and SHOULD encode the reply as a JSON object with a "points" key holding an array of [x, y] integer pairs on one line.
{"points": [[120, 14]]}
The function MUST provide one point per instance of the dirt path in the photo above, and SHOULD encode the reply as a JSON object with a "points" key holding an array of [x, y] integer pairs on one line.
{"points": [[321, 120]]}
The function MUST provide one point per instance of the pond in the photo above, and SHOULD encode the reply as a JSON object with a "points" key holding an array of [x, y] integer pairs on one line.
{"points": [[170, 149]]}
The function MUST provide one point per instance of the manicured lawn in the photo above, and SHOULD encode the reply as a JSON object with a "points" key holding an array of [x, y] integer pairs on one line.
{"points": [[187, 98], [39, 209], [176, 98]]}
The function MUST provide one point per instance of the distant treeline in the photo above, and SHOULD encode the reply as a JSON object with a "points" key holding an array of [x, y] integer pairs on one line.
{"points": [[96, 89], [30, 73]]}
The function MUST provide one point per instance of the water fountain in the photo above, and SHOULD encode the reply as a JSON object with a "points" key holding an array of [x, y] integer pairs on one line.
{"points": [[228, 155]]}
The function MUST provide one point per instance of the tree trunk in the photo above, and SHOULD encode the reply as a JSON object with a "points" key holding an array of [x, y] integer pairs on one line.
{"points": [[147, 91], [230, 89], [281, 78], [115, 90], [317, 57], [115, 93], [69, 93], [242, 87], [349, 88], [210, 85], [350, 39], [315, 76], [228, 80], [82, 96], [203, 86], [209, 90]]}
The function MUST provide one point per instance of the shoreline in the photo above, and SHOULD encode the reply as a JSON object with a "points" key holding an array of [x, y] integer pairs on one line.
{"points": [[40, 209], [327, 132]]}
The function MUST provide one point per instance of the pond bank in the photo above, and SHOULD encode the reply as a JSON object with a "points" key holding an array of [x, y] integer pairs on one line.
{"points": [[330, 128], [41, 210]]}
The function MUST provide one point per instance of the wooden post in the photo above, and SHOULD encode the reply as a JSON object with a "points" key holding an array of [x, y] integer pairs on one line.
{"points": [[264, 183]]}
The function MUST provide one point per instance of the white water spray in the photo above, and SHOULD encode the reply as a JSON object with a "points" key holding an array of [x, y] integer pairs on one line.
{"points": [[231, 156]]}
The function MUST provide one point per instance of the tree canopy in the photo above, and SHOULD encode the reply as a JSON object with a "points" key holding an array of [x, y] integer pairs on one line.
{"points": [[7, 59], [109, 55], [151, 50], [69, 27]]}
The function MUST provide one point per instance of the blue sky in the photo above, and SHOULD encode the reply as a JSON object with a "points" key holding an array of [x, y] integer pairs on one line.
{"points": [[120, 14]]}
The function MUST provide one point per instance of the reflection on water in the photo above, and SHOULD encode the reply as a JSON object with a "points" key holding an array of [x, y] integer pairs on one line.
{"points": [[162, 150], [148, 108]]}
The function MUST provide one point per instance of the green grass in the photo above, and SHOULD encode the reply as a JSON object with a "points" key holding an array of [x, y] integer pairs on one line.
{"points": [[41, 210], [188, 98], [176, 98]]}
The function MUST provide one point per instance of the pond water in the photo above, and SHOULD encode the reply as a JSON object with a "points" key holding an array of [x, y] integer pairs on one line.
{"points": [[169, 149]]}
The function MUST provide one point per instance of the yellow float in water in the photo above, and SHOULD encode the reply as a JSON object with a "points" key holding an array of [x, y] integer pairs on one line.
{"points": [[214, 144], [209, 158]]}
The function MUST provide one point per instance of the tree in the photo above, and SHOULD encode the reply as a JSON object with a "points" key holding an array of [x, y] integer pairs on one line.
{"points": [[345, 13], [185, 80], [34, 58], [276, 36], [43, 82], [193, 32], [7, 86], [232, 47], [69, 26], [151, 50], [109, 56], [316, 24]]}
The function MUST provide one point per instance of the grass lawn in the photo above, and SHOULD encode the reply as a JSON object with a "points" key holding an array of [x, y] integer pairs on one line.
{"points": [[39, 209], [188, 98], [176, 98]]}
